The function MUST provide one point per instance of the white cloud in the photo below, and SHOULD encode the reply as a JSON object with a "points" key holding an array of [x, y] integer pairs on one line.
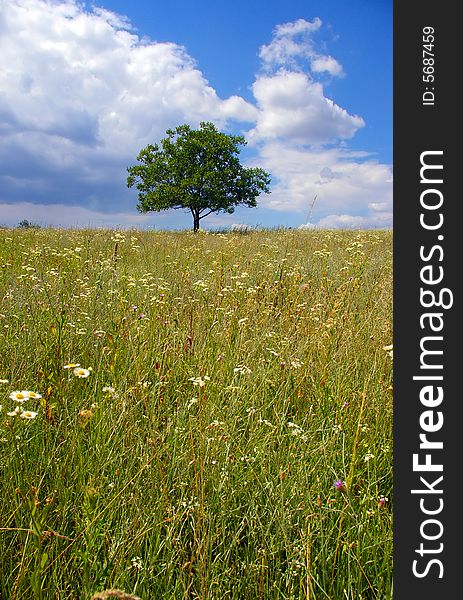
{"points": [[378, 206], [292, 103], [235, 105], [290, 40], [296, 27], [351, 222], [81, 94], [61, 215], [295, 125], [294, 107], [327, 64], [342, 180], [293, 41]]}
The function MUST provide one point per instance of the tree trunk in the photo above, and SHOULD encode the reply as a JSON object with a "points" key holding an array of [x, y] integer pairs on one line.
{"points": [[195, 221]]}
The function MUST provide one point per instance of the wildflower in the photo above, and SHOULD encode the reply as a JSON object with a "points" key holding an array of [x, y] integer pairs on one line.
{"points": [[390, 350], [71, 366], [199, 381], [28, 414], [145, 384], [4, 381], [296, 363], [266, 422], [274, 352], [297, 431], [110, 391], [136, 563], [215, 423], [243, 369], [19, 396], [340, 486], [191, 402], [34, 395], [85, 414], [248, 459], [382, 501], [15, 412], [81, 373]]}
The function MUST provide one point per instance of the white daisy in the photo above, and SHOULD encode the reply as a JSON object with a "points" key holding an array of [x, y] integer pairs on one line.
{"points": [[19, 396], [81, 372], [28, 414]]}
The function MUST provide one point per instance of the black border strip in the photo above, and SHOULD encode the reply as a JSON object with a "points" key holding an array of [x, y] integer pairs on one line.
{"points": [[427, 325]]}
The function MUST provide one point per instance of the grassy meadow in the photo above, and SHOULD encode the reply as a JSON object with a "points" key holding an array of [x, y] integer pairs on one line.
{"points": [[211, 416]]}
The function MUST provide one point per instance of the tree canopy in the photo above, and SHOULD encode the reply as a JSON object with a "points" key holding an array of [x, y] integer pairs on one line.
{"points": [[198, 170]]}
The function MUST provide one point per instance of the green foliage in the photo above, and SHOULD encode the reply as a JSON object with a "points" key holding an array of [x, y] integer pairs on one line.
{"points": [[25, 224], [234, 379], [197, 170]]}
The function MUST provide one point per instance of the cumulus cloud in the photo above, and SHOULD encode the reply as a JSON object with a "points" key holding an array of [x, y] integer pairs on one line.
{"points": [[296, 128], [285, 30], [291, 101], [81, 93], [327, 64], [351, 222], [293, 106], [339, 178], [292, 42]]}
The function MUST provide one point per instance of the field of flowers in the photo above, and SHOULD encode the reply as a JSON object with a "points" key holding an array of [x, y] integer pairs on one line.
{"points": [[199, 416]]}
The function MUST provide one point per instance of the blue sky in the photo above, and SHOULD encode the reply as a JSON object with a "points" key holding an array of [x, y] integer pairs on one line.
{"points": [[83, 87]]}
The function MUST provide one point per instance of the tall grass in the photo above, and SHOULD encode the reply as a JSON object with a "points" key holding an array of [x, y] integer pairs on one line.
{"points": [[233, 379]]}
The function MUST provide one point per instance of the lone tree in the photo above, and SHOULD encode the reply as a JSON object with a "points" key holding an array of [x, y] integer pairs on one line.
{"points": [[197, 170]]}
